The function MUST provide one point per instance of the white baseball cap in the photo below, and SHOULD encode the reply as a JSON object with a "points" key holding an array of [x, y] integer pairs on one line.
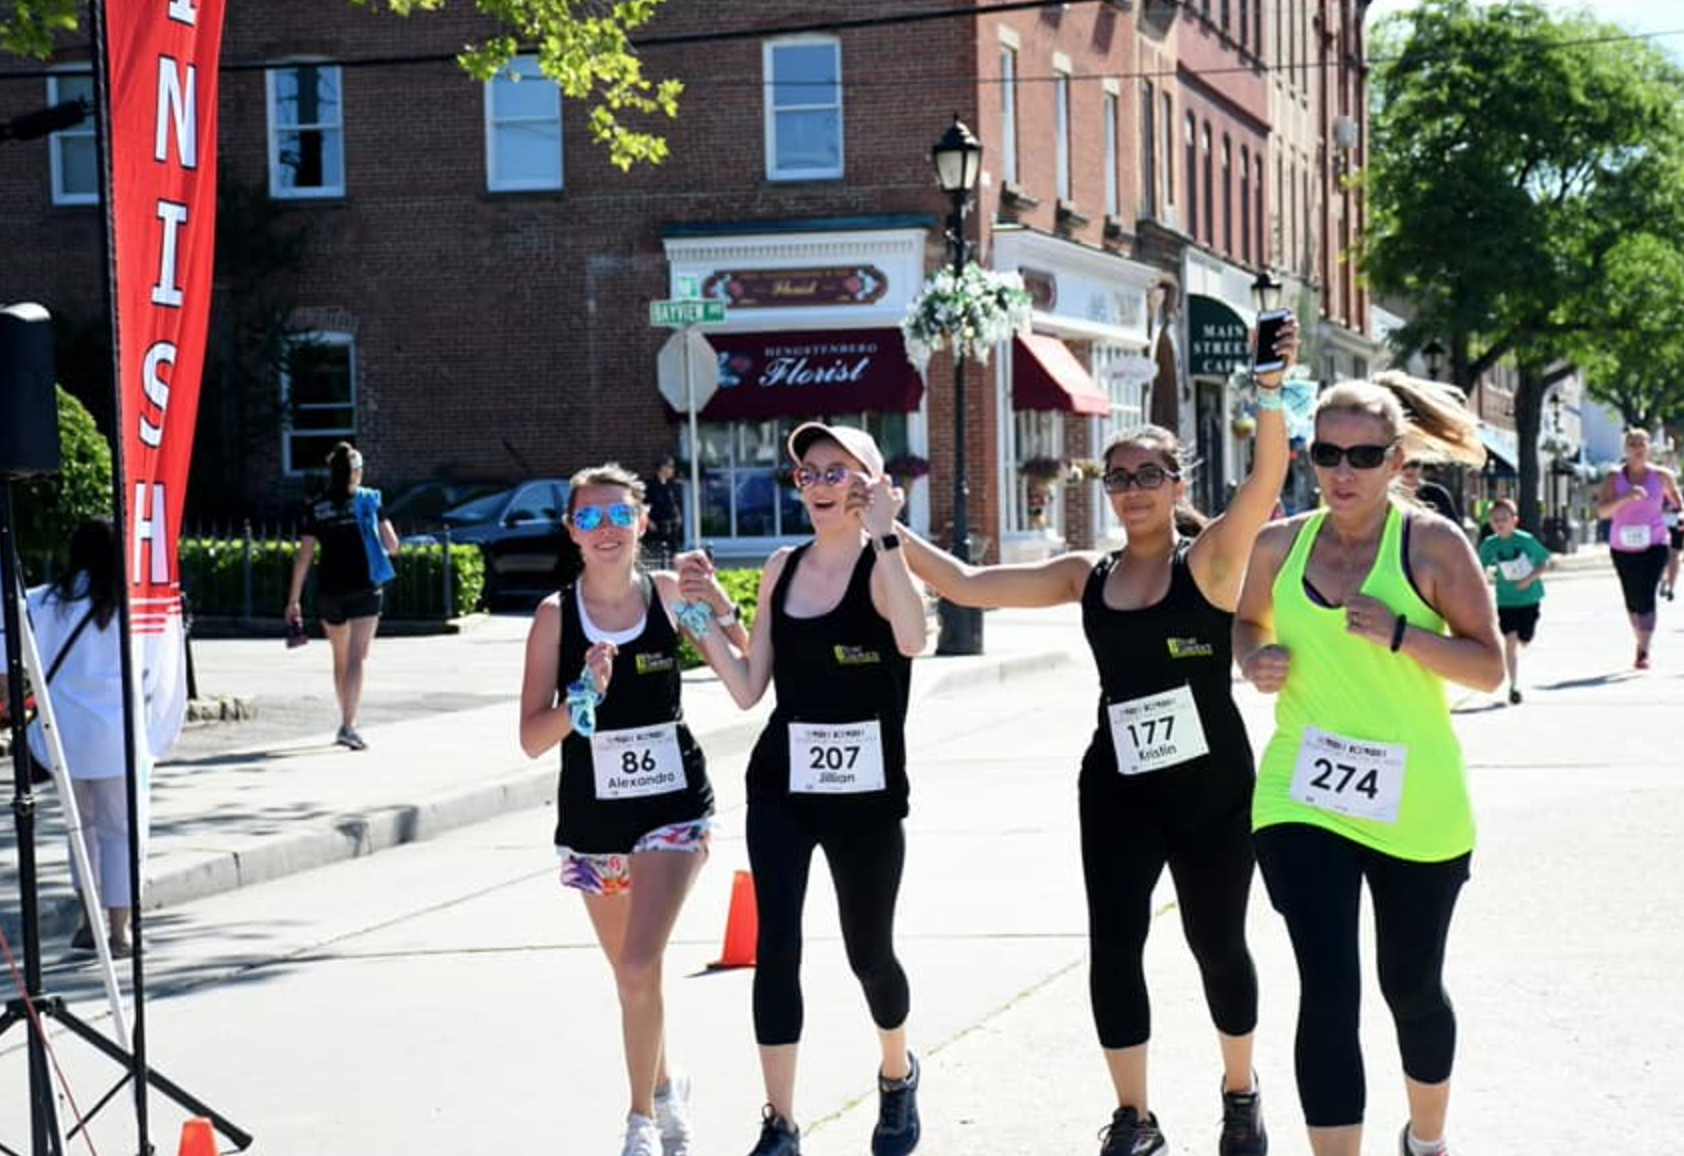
{"points": [[861, 446]]}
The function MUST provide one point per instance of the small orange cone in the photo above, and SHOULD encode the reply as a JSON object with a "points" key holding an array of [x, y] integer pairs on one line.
{"points": [[742, 926], [197, 1138]]}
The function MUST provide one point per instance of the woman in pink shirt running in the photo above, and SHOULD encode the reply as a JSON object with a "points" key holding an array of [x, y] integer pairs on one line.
{"points": [[1637, 538]]}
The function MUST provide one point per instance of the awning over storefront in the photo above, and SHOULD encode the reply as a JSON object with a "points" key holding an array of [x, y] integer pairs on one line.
{"points": [[763, 376], [1219, 340], [1046, 375], [1503, 446]]}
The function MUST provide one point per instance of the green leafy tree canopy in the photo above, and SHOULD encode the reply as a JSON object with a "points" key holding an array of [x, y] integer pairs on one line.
{"points": [[49, 509], [583, 45]]}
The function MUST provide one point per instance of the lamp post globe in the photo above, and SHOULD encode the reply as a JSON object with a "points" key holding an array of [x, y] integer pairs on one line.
{"points": [[958, 163], [1433, 353], [1266, 292]]}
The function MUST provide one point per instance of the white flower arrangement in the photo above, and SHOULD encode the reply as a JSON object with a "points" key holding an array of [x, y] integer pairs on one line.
{"points": [[972, 312]]}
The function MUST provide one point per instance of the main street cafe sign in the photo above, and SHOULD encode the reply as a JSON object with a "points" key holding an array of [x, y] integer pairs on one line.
{"points": [[1219, 340]]}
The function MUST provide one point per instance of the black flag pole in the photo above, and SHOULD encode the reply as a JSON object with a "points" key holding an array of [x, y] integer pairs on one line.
{"points": [[125, 626]]}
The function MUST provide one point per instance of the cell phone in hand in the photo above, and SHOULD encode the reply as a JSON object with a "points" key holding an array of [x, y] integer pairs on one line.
{"points": [[1264, 359], [297, 635]]}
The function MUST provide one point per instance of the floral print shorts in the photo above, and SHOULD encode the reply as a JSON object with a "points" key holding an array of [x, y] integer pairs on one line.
{"points": [[611, 874]]}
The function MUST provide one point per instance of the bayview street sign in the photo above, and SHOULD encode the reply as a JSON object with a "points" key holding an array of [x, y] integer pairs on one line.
{"points": [[678, 314]]}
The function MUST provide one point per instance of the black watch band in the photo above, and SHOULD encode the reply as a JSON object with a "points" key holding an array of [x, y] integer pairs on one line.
{"points": [[889, 541]]}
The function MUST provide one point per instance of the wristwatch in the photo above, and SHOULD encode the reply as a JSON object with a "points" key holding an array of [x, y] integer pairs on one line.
{"points": [[731, 617], [889, 541]]}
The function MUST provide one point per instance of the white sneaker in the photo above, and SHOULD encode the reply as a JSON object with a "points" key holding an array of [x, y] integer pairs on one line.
{"points": [[643, 1137], [672, 1111]]}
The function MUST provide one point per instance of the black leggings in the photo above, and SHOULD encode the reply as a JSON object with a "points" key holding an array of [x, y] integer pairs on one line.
{"points": [[1124, 851], [1640, 573], [1315, 881], [865, 859]]}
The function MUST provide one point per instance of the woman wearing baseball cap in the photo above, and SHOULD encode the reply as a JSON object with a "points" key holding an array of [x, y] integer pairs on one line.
{"points": [[840, 620]]}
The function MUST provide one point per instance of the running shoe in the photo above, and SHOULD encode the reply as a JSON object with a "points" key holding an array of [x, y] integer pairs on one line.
{"points": [[1642, 660], [83, 940], [1129, 1135], [898, 1126], [643, 1137], [348, 737], [1242, 1124], [1404, 1149], [1514, 696], [672, 1114], [778, 1137]]}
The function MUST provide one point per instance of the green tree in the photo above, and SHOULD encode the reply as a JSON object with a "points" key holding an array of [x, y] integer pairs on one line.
{"points": [[1512, 152], [583, 45], [50, 508], [1634, 359]]}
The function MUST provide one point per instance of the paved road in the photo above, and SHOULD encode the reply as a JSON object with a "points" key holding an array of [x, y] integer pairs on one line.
{"points": [[443, 998]]}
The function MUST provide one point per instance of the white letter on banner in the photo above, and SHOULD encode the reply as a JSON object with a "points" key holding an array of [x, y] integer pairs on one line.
{"points": [[182, 12], [166, 291], [180, 110], [157, 391], [151, 528]]}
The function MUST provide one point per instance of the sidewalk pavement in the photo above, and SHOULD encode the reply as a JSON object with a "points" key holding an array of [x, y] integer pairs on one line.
{"points": [[234, 819]]}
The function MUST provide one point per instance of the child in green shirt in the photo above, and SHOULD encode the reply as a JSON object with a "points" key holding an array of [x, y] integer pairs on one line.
{"points": [[1518, 561]]}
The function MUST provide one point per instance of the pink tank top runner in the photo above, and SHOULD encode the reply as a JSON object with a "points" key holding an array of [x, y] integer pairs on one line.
{"points": [[1638, 525]]}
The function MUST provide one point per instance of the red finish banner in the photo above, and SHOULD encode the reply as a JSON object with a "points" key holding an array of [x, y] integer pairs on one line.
{"points": [[161, 60], [162, 57]]}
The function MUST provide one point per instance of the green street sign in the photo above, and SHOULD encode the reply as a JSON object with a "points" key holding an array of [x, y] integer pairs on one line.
{"points": [[677, 314]]}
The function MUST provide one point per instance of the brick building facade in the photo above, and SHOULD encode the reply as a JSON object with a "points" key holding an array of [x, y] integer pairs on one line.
{"points": [[472, 284]]}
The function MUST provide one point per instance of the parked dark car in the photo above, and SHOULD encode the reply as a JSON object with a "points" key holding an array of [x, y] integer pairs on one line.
{"points": [[523, 534]]}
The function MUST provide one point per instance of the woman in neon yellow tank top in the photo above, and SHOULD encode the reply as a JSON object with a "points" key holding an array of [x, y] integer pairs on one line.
{"points": [[1356, 615]]}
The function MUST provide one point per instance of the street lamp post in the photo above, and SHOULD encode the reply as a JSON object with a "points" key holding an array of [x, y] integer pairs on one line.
{"points": [[958, 161], [1433, 353], [1266, 292]]}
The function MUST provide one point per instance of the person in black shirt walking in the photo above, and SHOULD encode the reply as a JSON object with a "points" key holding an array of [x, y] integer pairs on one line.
{"points": [[840, 619], [356, 544], [666, 511], [1167, 777]]}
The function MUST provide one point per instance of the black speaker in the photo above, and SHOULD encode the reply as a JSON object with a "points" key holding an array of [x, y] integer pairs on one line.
{"points": [[29, 443]]}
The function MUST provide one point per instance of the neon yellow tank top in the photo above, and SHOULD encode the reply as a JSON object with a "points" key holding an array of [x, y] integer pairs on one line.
{"points": [[1351, 688]]}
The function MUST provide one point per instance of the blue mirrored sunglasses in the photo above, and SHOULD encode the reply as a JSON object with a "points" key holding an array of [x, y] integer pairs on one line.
{"points": [[588, 518]]}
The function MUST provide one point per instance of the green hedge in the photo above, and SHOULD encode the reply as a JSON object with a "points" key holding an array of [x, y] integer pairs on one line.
{"points": [[213, 577], [744, 588]]}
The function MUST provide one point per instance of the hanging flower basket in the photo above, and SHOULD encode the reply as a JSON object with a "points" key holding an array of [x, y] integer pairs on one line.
{"points": [[972, 313], [906, 468]]}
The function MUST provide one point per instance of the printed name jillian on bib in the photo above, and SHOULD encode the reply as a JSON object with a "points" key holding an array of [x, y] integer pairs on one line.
{"points": [[836, 758]]}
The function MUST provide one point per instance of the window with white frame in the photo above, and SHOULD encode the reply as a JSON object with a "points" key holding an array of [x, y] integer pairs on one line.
{"points": [[746, 487], [803, 109], [522, 129], [1130, 403], [72, 155], [1061, 132], [1008, 114], [318, 398], [1113, 206], [306, 131], [1037, 500]]}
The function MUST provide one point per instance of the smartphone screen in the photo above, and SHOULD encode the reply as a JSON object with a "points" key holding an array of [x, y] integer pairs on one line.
{"points": [[1264, 359]]}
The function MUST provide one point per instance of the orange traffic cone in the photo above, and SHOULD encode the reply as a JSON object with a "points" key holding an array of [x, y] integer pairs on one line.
{"points": [[742, 926], [197, 1138]]}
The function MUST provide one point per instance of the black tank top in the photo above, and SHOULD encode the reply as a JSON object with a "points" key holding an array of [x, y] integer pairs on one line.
{"points": [[1182, 641], [643, 691], [839, 667]]}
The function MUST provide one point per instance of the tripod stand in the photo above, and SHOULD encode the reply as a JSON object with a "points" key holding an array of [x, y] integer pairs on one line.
{"points": [[34, 1007]]}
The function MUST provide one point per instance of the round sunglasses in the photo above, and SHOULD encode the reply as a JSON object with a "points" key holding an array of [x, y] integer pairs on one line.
{"points": [[589, 518], [832, 476], [1362, 457], [1147, 477]]}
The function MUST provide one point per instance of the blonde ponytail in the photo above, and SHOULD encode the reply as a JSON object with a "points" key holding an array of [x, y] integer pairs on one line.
{"points": [[1430, 418]]}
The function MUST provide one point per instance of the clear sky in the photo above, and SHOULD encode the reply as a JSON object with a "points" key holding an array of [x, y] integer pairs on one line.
{"points": [[1637, 15]]}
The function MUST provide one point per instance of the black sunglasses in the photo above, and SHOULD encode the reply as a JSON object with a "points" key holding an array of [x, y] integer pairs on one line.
{"points": [[1364, 457], [1147, 477]]}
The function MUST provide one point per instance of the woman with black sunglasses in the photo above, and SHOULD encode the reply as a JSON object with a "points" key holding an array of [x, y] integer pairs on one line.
{"points": [[634, 806], [1356, 615], [1167, 779], [840, 619]]}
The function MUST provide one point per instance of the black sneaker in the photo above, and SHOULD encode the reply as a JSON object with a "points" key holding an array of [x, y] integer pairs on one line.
{"points": [[1242, 1124], [1403, 1144], [898, 1127], [1514, 696], [1129, 1135], [778, 1137]]}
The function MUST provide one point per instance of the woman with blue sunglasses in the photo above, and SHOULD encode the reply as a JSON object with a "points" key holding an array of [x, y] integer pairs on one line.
{"points": [[1167, 777], [634, 805], [840, 619]]}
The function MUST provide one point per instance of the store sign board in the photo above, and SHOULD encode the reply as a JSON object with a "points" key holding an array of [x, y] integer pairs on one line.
{"points": [[1219, 341], [797, 288]]}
